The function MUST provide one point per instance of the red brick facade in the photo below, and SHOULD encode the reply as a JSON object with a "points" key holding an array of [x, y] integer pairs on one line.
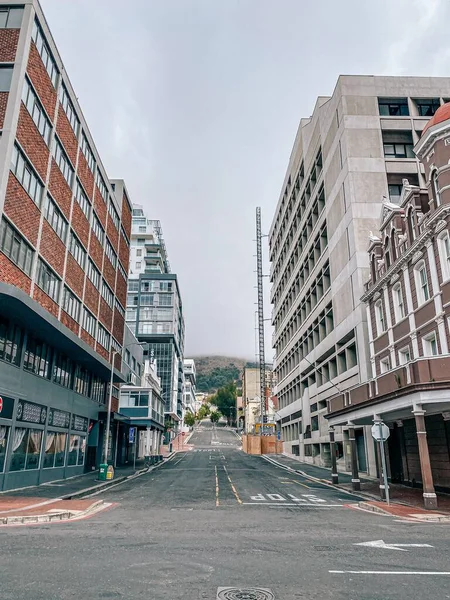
{"points": [[59, 189], [100, 207], [109, 273], [52, 248], [66, 135], [21, 210], [119, 323], [41, 81], [96, 252], [105, 314], [121, 289], [113, 234], [3, 102], [8, 44], [80, 224], [69, 322], [85, 175], [13, 275], [32, 142], [74, 275], [45, 301], [124, 252], [91, 297]]}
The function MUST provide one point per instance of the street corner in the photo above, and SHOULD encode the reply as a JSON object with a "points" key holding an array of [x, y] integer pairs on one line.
{"points": [[21, 513], [402, 512]]}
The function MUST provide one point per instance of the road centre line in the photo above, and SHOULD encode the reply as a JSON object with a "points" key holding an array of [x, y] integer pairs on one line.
{"points": [[232, 486], [217, 487], [391, 572]]}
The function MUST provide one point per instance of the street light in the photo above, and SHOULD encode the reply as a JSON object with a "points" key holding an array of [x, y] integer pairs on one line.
{"points": [[108, 415]]}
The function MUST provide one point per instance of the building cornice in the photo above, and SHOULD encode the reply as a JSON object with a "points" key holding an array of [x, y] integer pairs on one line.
{"points": [[413, 253]]}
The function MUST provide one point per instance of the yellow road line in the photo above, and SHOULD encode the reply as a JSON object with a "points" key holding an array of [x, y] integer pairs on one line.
{"points": [[217, 488], [232, 486], [302, 484]]}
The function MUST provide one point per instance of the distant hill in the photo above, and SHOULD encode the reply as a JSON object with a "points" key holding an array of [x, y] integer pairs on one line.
{"points": [[214, 372]]}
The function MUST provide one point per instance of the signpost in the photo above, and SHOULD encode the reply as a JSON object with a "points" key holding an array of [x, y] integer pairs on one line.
{"points": [[380, 433], [132, 440]]}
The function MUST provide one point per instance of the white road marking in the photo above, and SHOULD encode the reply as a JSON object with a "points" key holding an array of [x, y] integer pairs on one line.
{"points": [[401, 547], [392, 572], [306, 498], [293, 504]]}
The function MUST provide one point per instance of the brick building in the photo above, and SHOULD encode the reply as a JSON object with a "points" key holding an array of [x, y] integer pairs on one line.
{"points": [[64, 253], [408, 312]]}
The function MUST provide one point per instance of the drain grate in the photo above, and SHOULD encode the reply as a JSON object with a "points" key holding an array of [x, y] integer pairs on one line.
{"points": [[229, 593]]}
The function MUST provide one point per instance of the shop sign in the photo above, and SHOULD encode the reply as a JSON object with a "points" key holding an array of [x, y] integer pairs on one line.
{"points": [[29, 412], [79, 423], [59, 418], [6, 407]]}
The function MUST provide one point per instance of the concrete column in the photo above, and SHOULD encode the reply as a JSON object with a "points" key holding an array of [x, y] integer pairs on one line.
{"points": [[334, 473], [356, 483], [429, 495], [442, 334]]}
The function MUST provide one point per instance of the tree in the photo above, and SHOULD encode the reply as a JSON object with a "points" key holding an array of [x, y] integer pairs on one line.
{"points": [[214, 416], [189, 419], [225, 400], [203, 412]]}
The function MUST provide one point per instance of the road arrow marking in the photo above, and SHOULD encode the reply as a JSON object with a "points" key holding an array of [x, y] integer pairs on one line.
{"points": [[401, 547]]}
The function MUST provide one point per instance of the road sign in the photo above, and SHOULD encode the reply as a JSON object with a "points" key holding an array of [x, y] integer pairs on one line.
{"points": [[132, 435], [380, 432], [1, 404], [401, 547]]}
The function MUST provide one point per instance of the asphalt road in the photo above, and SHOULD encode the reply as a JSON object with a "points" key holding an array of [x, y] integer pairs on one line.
{"points": [[214, 517]]}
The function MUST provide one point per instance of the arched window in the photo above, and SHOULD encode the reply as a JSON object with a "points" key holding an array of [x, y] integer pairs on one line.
{"points": [[387, 254], [379, 317], [444, 254], [393, 246], [399, 305], [421, 279], [435, 188]]}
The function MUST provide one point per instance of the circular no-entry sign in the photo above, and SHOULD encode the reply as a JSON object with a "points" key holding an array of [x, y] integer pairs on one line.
{"points": [[1, 404]]}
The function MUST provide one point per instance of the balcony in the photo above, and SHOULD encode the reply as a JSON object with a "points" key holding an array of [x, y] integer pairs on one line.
{"points": [[422, 374]]}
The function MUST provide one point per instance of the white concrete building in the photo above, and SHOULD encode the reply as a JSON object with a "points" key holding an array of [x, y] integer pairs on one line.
{"points": [[189, 386], [355, 149]]}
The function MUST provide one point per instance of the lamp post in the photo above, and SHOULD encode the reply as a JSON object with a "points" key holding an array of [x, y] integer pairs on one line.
{"points": [[108, 415]]}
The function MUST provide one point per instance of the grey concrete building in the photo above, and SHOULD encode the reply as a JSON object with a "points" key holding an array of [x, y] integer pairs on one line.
{"points": [[355, 149]]}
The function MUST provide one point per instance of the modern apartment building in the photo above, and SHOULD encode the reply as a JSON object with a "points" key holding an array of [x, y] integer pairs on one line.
{"points": [[355, 150], [154, 309], [408, 311], [189, 389], [64, 250]]}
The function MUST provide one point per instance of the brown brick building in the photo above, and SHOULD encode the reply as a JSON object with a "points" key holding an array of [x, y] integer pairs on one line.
{"points": [[64, 252], [408, 313]]}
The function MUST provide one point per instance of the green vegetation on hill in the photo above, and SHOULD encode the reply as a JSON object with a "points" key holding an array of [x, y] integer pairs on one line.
{"points": [[214, 372]]}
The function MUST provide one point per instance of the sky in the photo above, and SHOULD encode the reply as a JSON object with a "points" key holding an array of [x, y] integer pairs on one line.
{"points": [[196, 103]]}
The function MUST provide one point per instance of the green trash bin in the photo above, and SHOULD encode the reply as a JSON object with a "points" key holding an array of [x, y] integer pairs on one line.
{"points": [[102, 472]]}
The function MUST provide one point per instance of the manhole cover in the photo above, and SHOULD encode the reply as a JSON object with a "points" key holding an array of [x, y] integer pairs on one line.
{"points": [[244, 594]]}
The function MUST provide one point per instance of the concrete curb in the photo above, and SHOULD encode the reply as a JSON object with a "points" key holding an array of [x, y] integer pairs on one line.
{"points": [[431, 518], [375, 509], [63, 515]]}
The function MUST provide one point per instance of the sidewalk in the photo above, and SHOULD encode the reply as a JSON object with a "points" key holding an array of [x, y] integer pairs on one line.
{"points": [[403, 498], [63, 499]]}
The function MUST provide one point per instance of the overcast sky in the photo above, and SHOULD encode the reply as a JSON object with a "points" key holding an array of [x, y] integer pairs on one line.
{"points": [[196, 103]]}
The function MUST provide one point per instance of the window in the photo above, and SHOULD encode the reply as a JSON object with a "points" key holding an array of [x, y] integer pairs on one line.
{"points": [[379, 317], [26, 449], [119, 308], [113, 213], [11, 340], [98, 390], [110, 253], [26, 176], [142, 229], [5, 78], [395, 192], [62, 371], [393, 107], [36, 111], [69, 109], [98, 229], [133, 285], [77, 250], [55, 217], [423, 291], [77, 449], [88, 154], [427, 108], [404, 356], [38, 358], [127, 357], [63, 162], [82, 200], [44, 52], [107, 294], [103, 337], [121, 270], [435, 188], [89, 323], [138, 265], [444, 254], [140, 241], [55, 449], [82, 381], [71, 304], [131, 314], [429, 344], [15, 247], [138, 252], [4, 435], [384, 365], [102, 186], [399, 307], [93, 273], [398, 144], [47, 280], [11, 18]]}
